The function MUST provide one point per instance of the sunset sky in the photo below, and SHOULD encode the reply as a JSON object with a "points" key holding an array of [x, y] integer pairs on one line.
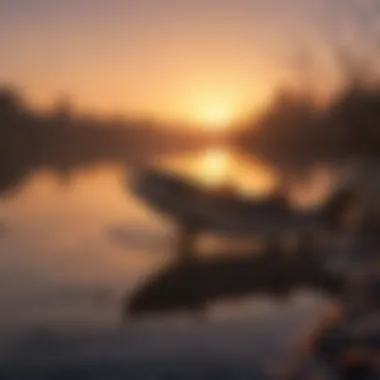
{"points": [[196, 60]]}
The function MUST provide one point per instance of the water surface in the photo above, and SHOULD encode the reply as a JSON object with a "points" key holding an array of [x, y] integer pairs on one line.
{"points": [[63, 270]]}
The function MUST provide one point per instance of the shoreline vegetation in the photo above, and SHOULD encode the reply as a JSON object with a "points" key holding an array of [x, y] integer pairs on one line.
{"points": [[293, 134], [62, 141]]}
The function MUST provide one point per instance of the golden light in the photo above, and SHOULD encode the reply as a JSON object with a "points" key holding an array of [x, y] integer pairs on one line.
{"points": [[214, 110], [216, 116], [224, 168], [219, 167], [214, 166], [210, 168]]}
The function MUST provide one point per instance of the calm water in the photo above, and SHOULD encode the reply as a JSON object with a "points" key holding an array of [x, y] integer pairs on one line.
{"points": [[73, 248]]}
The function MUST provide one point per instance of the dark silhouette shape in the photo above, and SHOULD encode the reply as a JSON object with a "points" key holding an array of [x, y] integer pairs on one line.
{"points": [[334, 343], [191, 285], [62, 140], [194, 208], [294, 133]]}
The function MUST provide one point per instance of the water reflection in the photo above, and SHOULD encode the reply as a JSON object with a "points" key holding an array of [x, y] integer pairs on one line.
{"points": [[76, 246], [220, 166], [251, 177], [215, 167], [57, 243]]}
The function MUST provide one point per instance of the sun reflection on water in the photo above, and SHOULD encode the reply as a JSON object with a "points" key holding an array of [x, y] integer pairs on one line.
{"points": [[224, 167], [58, 236]]}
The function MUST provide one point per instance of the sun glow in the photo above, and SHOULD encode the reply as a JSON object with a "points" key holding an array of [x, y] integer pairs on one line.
{"points": [[215, 111], [221, 167], [216, 116], [214, 167]]}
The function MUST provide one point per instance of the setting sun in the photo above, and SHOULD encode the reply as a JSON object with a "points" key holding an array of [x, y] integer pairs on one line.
{"points": [[215, 112], [217, 107], [216, 116]]}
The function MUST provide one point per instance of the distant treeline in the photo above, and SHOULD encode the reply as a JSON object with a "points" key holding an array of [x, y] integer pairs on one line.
{"points": [[61, 140], [295, 132]]}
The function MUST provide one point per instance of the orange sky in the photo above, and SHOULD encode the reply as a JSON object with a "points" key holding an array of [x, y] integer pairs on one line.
{"points": [[206, 61]]}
